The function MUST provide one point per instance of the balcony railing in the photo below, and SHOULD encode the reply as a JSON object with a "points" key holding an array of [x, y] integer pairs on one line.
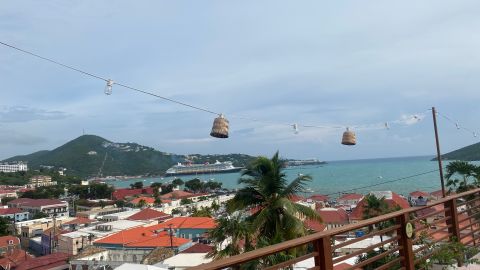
{"points": [[453, 217]]}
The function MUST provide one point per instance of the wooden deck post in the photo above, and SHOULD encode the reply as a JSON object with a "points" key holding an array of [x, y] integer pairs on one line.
{"points": [[406, 252], [324, 257], [452, 213]]}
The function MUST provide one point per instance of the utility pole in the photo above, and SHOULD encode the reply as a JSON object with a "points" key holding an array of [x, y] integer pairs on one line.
{"points": [[439, 156], [171, 236]]}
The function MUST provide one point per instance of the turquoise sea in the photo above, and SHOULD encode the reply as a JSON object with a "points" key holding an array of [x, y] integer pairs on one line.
{"points": [[343, 176]]}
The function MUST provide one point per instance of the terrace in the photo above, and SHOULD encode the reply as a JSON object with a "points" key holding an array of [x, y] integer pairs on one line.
{"points": [[453, 217]]}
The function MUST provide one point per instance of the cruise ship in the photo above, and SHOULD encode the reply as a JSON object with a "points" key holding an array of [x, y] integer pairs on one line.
{"points": [[192, 169]]}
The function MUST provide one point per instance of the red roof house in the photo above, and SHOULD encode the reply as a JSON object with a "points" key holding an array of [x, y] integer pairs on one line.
{"points": [[188, 223], [148, 200], [121, 193], [319, 198], [198, 248], [349, 199], [178, 195], [51, 261], [333, 217], [149, 214], [391, 198], [14, 258]]}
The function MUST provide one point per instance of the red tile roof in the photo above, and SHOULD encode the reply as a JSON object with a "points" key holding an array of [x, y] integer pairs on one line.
{"points": [[296, 198], [319, 198], [45, 262], [395, 200], [350, 196], [419, 193], [179, 194], [198, 248], [120, 194], [188, 223], [35, 202], [333, 215], [13, 259], [80, 220], [142, 237], [10, 211], [4, 240], [314, 225], [148, 214], [148, 200]]}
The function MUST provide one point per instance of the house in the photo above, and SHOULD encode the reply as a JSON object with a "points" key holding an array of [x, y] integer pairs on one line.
{"points": [[149, 201], [49, 240], [57, 261], [121, 193], [417, 196], [314, 226], [192, 256], [188, 227], [392, 199], [143, 238], [319, 198], [7, 193], [334, 217], [8, 243], [150, 214], [41, 181], [180, 194], [14, 259], [93, 214], [15, 214], [350, 199], [51, 207], [78, 223], [34, 228]]}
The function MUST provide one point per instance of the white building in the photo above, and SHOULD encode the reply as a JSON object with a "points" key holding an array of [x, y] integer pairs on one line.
{"points": [[14, 167]]}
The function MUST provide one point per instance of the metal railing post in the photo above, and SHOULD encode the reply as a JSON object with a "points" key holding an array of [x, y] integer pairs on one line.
{"points": [[406, 252], [453, 220], [323, 259]]}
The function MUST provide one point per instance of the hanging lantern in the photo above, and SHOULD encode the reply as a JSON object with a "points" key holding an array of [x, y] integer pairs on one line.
{"points": [[108, 87], [220, 127], [349, 138]]}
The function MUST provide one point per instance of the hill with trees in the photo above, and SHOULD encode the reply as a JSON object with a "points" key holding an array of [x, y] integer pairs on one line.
{"points": [[468, 153], [91, 155]]}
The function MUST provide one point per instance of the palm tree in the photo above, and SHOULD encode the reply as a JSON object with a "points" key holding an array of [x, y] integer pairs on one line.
{"points": [[228, 237], [268, 194], [375, 207], [463, 169]]}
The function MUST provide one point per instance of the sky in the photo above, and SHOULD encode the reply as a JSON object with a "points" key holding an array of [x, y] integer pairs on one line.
{"points": [[337, 64]]}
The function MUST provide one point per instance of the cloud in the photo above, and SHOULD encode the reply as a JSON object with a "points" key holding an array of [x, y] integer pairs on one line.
{"points": [[11, 137], [26, 114]]}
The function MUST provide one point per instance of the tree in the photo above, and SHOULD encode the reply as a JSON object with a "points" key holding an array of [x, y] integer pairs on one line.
{"points": [[137, 185], [202, 212], [185, 201], [120, 203], [177, 182], [166, 189], [194, 185], [142, 203], [466, 171], [4, 224], [374, 206], [228, 236], [158, 201], [268, 192]]}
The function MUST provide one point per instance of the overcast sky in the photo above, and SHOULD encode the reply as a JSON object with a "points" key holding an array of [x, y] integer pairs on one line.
{"points": [[333, 63]]}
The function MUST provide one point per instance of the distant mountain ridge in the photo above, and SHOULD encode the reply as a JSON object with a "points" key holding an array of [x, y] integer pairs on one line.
{"points": [[468, 153], [90, 155]]}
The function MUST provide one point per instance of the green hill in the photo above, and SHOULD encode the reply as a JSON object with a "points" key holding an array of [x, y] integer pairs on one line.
{"points": [[468, 153], [88, 154]]}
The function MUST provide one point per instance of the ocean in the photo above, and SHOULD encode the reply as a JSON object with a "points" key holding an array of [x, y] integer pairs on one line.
{"points": [[401, 175]]}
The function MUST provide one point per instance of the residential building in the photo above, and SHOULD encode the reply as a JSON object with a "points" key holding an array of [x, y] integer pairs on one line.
{"points": [[78, 223], [119, 216], [392, 199], [8, 193], [350, 199], [334, 217], [41, 181], [13, 167], [14, 258], [142, 238], [192, 256], [51, 207], [149, 201], [96, 213], [49, 240], [121, 193], [15, 214], [188, 227], [148, 214], [56, 261], [34, 228], [8, 243]]}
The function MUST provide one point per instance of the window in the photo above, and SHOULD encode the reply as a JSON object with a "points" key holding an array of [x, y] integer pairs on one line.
{"points": [[183, 235], [10, 242]]}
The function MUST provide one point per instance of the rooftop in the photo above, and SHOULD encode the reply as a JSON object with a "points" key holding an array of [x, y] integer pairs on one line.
{"points": [[148, 214], [36, 202], [333, 215], [45, 262], [198, 248], [351, 196], [188, 223], [10, 211]]}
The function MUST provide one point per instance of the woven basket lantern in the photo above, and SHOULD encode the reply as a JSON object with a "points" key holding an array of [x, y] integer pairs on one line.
{"points": [[349, 138], [220, 127]]}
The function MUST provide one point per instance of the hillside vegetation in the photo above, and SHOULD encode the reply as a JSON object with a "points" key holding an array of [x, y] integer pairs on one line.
{"points": [[91, 155], [468, 153]]}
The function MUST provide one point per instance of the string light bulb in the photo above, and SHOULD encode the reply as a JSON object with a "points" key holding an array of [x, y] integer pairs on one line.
{"points": [[458, 126], [387, 126], [108, 87], [474, 134], [295, 128]]}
